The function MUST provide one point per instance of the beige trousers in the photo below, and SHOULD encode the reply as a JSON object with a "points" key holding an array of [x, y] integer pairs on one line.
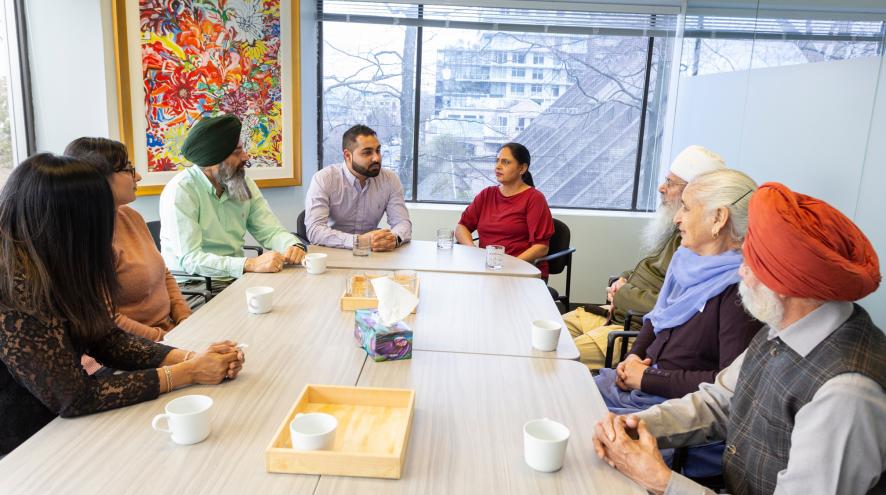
{"points": [[590, 333]]}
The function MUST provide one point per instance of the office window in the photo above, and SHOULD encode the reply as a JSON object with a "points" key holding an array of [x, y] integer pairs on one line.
{"points": [[16, 131], [585, 138]]}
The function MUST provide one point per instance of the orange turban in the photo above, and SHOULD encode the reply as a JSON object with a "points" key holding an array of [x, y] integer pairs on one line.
{"points": [[803, 247]]}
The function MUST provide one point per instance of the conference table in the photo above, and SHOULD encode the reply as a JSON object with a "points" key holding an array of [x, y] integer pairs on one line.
{"points": [[477, 381]]}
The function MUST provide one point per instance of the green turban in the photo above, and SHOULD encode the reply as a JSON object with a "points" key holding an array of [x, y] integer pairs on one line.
{"points": [[212, 139]]}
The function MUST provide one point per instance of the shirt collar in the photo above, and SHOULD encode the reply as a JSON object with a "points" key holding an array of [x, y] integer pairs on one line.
{"points": [[806, 333], [204, 182], [352, 179]]}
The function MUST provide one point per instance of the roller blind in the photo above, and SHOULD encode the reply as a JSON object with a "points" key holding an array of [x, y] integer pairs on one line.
{"points": [[657, 20]]}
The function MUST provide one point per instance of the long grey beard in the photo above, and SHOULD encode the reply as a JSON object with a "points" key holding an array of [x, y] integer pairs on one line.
{"points": [[659, 229], [234, 183], [762, 303]]}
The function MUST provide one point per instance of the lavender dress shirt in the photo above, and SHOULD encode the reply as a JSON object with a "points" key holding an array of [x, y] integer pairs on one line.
{"points": [[336, 207]]}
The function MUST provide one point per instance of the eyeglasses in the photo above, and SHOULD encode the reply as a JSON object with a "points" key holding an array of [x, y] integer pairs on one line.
{"points": [[129, 169], [673, 183]]}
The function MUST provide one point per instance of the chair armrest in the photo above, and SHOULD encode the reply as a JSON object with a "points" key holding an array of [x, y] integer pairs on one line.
{"points": [[558, 254], [630, 315], [610, 344], [205, 294], [257, 249], [207, 280]]}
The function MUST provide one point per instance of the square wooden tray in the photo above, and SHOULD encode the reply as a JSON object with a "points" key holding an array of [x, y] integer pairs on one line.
{"points": [[371, 438], [353, 303]]}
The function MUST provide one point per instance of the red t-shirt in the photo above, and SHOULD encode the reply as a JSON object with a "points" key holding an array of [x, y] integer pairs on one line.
{"points": [[515, 222]]}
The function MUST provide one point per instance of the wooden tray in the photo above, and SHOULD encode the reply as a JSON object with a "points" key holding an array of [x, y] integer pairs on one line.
{"points": [[371, 439], [353, 303]]}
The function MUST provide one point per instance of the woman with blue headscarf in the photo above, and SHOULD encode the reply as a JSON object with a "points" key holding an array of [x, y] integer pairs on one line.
{"points": [[698, 325]]}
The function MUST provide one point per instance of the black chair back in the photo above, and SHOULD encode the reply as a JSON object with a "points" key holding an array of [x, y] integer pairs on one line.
{"points": [[154, 227], [559, 242], [300, 229]]}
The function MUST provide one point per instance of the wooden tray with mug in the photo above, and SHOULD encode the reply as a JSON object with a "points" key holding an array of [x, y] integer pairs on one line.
{"points": [[370, 440]]}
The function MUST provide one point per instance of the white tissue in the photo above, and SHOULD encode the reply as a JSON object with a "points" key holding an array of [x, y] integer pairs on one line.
{"points": [[394, 301]]}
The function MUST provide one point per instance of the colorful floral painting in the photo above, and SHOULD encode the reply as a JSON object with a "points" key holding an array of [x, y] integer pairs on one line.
{"points": [[205, 57]]}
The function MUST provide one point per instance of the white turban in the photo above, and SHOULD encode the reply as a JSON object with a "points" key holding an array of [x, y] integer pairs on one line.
{"points": [[695, 160]]}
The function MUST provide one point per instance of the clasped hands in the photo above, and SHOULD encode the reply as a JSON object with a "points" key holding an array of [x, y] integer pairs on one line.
{"points": [[219, 361], [626, 444], [381, 239], [629, 373], [272, 261]]}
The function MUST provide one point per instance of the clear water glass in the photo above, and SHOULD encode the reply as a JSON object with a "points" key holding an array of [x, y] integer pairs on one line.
{"points": [[362, 245], [494, 257], [444, 238]]}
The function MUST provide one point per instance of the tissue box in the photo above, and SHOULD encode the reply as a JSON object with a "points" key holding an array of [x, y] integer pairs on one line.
{"points": [[382, 343]]}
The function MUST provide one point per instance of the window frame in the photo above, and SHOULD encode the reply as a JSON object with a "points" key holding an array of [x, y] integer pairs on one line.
{"points": [[514, 58], [21, 107]]}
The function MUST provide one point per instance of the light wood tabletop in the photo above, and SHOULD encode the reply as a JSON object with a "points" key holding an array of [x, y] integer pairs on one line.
{"points": [[467, 432], [424, 255], [484, 315]]}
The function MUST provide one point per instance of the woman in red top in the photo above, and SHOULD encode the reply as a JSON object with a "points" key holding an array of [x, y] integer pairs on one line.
{"points": [[513, 214]]}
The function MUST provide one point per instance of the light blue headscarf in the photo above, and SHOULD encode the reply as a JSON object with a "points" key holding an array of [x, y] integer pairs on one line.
{"points": [[691, 280]]}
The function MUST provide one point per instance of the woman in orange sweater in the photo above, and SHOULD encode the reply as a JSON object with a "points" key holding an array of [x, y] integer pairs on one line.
{"points": [[150, 303]]}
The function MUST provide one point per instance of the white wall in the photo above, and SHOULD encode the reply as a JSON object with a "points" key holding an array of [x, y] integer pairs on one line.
{"points": [[813, 127]]}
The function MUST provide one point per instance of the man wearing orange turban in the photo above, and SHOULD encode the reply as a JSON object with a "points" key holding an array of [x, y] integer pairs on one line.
{"points": [[803, 410]]}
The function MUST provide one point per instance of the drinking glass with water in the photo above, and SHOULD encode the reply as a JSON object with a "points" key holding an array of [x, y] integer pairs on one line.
{"points": [[494, 257], [444, 238], [362, 245]]}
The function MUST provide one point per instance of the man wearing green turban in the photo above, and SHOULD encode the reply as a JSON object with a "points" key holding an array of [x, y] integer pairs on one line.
{"points": [[206, 211]]}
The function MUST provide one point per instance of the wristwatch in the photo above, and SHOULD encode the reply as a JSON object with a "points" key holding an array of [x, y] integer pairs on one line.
{"points": [[399, 241]]}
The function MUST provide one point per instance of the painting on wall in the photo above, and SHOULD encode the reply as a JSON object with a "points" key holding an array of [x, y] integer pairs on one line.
{"points": [[182, 60]]}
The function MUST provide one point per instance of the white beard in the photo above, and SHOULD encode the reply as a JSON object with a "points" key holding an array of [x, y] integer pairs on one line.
{"points": [[234, 182], [762, 303], [659, 229]]}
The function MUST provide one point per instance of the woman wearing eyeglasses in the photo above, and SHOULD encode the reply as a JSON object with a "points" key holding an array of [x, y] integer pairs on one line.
{"points": [[150, 303]]}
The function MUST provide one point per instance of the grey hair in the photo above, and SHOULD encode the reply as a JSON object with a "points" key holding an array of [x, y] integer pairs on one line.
{"points": [[726, 188]]}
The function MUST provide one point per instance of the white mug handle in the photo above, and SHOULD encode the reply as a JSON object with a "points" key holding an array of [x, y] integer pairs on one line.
{"points": [[155, 423], [251, 304]]}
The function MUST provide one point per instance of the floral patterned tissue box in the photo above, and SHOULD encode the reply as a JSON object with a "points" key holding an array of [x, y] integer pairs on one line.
{"points": [[382, 343]]}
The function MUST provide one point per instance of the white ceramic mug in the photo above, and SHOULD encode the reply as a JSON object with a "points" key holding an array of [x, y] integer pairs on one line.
{"points": [[315, 263], [313, 431], [187, 419], [546, 334], [259, 299], [544, 444]]}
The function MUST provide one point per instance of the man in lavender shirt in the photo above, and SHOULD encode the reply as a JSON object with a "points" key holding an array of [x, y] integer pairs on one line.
{"points": [[351, 198]]}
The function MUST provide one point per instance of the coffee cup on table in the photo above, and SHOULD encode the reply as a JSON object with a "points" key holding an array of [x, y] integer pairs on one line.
{"points": [[546, 334], [187, 419], [259, 299], [315, 263], [544, 444], [313, 431]]}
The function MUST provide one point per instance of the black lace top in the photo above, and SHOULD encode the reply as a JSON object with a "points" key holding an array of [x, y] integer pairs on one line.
{"points": [[41, 376]]}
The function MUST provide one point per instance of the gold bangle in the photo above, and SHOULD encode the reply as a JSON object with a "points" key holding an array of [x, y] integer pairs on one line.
{"points": [[168, 374], [188, 355]]}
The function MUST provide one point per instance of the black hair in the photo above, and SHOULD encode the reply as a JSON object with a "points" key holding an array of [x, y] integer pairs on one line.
{"points": [[56, 228], [521, 154], [349, 138], [106, 155]]}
